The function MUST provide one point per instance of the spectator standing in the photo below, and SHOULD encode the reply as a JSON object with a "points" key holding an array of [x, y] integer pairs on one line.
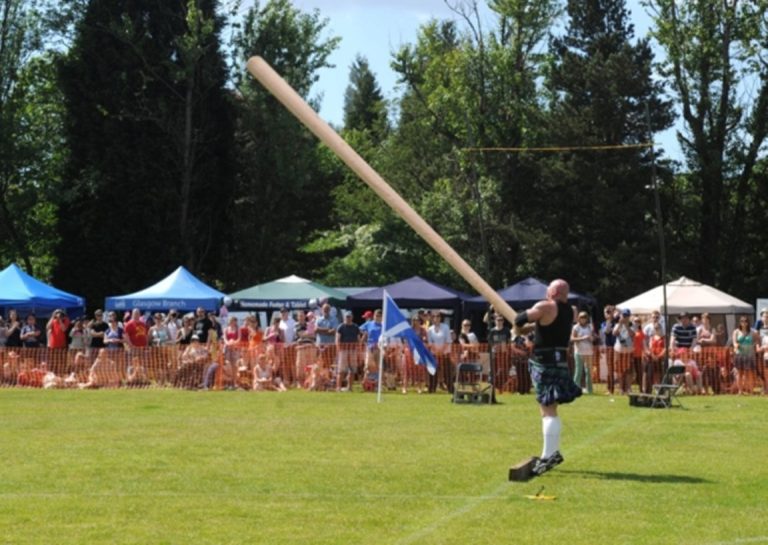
{"points": [[96, 329], [186, 331], [371, 333], [410, 375], [762, 323], [469, 342], [639, 343], [173, 324], [583, 336], [439, 338], [30, 333], [347, 338], [287, 326], [159, 333], [274, 334], [655, 356], [113, 336], [745, 341], [623, 347], [78, 335], [56, 333], [499, 343], [304, 348], [325, 333], [706, 340], [13, 329], [136, 331], [608, 341], [57, 328], [202, 325], [650, 328], [683, 333], [763, 349]]}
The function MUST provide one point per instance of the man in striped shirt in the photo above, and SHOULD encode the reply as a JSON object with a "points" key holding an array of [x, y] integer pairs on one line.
{"points": [[683, 332]]}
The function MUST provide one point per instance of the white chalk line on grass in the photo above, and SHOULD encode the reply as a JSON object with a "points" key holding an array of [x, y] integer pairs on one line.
{"points": [[504, 486], [266, 494]]}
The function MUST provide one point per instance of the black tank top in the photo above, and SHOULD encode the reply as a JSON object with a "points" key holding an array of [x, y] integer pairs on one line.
{"points": [[558, 333]]}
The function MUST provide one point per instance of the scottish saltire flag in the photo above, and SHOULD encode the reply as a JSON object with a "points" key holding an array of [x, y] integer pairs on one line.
{"points": [[395, 324]]}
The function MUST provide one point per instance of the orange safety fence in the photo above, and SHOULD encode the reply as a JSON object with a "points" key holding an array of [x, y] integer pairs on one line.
{"points": [[713, 370]]}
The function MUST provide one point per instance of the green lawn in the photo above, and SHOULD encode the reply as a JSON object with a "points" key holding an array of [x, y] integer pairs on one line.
{"points": [[165, 466]]}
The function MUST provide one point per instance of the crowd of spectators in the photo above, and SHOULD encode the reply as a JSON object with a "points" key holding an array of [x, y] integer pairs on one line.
{"points": [[327, 350], [634, 352]]}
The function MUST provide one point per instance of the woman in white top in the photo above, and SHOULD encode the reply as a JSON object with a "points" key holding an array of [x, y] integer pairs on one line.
{"points": [[468, 341], [583, 337], [439, 338], [622, 350]]}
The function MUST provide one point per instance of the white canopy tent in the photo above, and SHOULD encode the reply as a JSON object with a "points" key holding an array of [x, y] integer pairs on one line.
{"points": [[686, 295]]}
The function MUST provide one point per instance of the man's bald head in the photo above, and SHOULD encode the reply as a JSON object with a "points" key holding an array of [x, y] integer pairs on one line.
{"points": [[558, 290]]}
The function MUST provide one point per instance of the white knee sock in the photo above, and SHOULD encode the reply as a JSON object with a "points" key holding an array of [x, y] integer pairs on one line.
{"points": [[550, 429]]}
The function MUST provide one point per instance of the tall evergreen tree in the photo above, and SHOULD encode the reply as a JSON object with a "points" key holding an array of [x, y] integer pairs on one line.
{"points": [[149, 130], [364, 105], [595, 207]]}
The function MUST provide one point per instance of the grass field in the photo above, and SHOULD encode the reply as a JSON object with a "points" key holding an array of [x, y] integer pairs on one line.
{"points": [[163, 466]]}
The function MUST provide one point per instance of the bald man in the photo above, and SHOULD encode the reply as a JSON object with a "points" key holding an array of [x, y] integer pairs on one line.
{"points": [[553, 319]]}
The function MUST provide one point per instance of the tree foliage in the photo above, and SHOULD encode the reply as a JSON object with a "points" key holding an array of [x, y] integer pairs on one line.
{"points": [[599, 203], [149, 128], [715, 63], [31, 150], [282, 196], [128, 146]]}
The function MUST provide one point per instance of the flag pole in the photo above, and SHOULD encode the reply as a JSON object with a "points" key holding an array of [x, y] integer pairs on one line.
{"points": [[276, 85], [382, 344]]}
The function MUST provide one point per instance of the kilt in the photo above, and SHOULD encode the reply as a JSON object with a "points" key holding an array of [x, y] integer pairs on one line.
{"points": [[552, 382]]}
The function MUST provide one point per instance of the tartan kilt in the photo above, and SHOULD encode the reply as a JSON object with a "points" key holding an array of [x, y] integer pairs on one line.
{"points": [[552, 382]]}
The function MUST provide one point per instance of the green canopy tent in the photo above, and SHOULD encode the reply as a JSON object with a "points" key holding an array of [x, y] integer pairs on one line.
{"points": [[292, 292]]}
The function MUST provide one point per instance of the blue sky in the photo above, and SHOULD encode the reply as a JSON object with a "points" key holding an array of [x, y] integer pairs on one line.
{"points": [[376, 28]]}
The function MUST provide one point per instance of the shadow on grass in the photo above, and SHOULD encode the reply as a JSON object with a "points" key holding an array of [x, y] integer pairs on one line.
{"points": [[658, 478]]}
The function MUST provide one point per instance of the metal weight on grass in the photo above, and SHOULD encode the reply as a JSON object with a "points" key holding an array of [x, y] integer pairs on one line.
{"points": [[276, 85]]}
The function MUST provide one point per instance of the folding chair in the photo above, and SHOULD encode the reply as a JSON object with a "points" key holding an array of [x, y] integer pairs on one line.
{"points": [[665, 394], [470, 386]]}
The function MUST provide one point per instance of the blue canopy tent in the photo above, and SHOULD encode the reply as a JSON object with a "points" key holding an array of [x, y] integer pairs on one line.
{"points": [[25, 293], [180, 290], [412, 292], [525, 294]]}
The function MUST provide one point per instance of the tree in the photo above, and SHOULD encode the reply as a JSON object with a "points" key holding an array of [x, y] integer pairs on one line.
{"points": [[282, 195], [600, 85], [466, 90], [30, 144], [149, 128], [364, 105], [715, 62]]}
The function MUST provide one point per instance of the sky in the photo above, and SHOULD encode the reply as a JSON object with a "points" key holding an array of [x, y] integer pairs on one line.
{"points": [[377, 28]]}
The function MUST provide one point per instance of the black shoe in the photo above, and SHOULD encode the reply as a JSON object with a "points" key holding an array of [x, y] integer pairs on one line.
{"points": [[543, 465]]}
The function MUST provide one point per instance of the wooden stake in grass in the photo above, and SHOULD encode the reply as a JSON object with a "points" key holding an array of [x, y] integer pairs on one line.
{"points": [[276, 85]]}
